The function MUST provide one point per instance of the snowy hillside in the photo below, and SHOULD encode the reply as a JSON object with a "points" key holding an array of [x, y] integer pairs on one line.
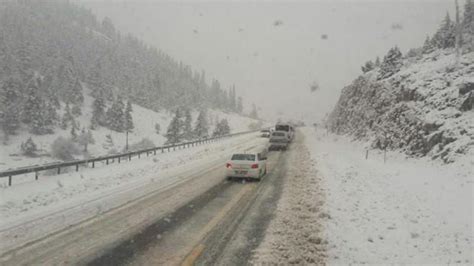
{"points": [[144, 122], [425, 109]]}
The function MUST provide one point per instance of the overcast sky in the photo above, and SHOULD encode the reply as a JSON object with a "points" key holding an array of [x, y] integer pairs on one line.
{"points": [[274, 51]]}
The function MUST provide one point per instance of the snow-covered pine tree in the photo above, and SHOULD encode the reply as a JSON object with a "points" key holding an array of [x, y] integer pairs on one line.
{"points": [[201, 128], [377, 62], [391, 63], [428, 46], [253, 113], [115, 115], [85, 138], [98, 112], [157, 128], [128, 118], [10, 108], [34, 110], [368, 66], [74, 132], [95, 81], [174, 132], [25, 64], [225, 128], [76, 98], [445, 37], [240, 105], [29, 147], [68, 118], [109, 142], [468, 18], [222, 128], [187, 125]]}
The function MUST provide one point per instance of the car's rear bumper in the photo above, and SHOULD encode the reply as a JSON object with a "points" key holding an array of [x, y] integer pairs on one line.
{"points": [[247, 173], [278, 145]]}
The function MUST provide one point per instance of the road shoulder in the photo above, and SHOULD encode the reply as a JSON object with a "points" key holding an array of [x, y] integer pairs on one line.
{"points": [[294, 236]]}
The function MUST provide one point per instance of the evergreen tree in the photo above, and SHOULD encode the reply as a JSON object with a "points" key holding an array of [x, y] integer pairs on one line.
{"points": [[187, 127], [29, 147], [222, 128], [391, 64], [85, 138], [74, 132], [369, 65], [428, 46], [10, 106], [25, 64], [174, 132], [240, 105], [468, 20], [253, 113], [35, 110], [68, 118], [201, 128], [109, 142], [98, 112], [377, 62], [128, 117], [76, 98], [157, 128], [115, 115], [445, 37]]}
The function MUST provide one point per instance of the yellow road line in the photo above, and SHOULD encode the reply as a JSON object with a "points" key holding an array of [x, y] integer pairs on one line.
{"points": [[192, 257], [197, 250]]}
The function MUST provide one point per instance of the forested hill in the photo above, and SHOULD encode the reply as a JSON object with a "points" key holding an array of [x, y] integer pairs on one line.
{"points": [[51, 51], [421, 102]]}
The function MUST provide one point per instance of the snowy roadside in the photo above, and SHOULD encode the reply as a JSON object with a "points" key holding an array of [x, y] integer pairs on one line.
{"points": [[35, 208], [294, 234], [404, 211]]}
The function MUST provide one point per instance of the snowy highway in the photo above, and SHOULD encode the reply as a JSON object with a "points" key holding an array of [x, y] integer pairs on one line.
{"points": [[63, 233]]}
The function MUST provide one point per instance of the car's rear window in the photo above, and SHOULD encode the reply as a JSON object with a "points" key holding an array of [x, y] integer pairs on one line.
{"points": [[243, 157], [278, 134], [283, 128]]}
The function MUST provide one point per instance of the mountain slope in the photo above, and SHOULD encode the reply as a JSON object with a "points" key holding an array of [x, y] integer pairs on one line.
{"points": [[425, 109]]}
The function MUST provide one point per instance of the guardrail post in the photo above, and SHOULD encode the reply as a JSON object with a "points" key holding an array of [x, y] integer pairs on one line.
{"points": [[367, 154], [129, 157], [93, 164], [9, 181], [154, 152], [59, 170], [162, 150], [107, 162], [119, 159], [36, 175], [77, 167], [138, 155]]}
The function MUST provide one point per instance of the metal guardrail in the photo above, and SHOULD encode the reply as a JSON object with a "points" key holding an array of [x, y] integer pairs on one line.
{"points": [[110, 158]]}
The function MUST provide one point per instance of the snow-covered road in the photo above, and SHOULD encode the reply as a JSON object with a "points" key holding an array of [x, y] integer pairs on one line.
{"points": [[34, 209]]}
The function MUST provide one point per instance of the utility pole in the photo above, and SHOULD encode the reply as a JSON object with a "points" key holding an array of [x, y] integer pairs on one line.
{"points": [[126, 140]]}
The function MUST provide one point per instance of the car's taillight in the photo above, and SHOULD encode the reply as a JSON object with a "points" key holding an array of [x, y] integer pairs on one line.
{"points": [[255, 166], [228, 165]]}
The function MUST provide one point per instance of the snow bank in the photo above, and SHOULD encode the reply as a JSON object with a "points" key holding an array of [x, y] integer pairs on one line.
{"points": [[404, 211], [294, 236]]}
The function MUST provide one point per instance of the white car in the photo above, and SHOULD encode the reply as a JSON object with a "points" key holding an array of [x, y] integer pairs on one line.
{"points": [[247, 165]]}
